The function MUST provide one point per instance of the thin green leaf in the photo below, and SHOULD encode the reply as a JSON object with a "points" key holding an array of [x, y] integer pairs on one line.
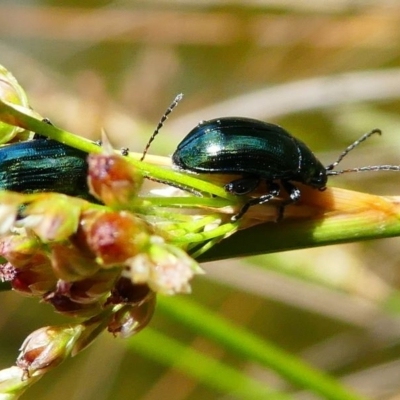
{"points": [[241, 342], [206, 370]]}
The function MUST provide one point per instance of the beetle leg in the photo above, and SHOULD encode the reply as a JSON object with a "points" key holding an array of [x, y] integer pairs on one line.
{"points": [[294, 196], [293, 192], [124, 151], [47, 121], [274, 190], [242, 186]]}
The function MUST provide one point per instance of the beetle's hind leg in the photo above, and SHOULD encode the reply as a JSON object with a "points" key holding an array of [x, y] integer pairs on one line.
{"points": [[273, 192]]}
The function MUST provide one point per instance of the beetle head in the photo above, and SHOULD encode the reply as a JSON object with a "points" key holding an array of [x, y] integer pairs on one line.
{"points": [[317, 179]]}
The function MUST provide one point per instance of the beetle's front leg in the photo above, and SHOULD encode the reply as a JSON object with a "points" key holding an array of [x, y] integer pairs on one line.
{"points": [[273, 192]]}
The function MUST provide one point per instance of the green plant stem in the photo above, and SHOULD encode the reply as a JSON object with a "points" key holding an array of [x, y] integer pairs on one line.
{"points": [[11, 115], [304, 233]]}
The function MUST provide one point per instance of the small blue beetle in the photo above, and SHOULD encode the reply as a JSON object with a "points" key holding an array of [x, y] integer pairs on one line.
{"points": [[257, 151], [44, 165]]}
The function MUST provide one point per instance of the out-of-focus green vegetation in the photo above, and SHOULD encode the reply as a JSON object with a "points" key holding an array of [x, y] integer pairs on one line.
{"points": [[327, 71]]}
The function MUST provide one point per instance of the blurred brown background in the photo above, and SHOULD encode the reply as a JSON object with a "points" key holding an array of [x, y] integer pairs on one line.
{"points": [[326, 70]]}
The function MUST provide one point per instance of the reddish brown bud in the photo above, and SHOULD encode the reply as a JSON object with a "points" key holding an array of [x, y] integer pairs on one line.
{"points": [[113, 180], [113, 237]]}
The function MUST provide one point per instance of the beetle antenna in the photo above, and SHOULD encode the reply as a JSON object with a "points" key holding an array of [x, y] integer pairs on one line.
{"points": [[364, 137], [169, 110], [366, 169]]}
